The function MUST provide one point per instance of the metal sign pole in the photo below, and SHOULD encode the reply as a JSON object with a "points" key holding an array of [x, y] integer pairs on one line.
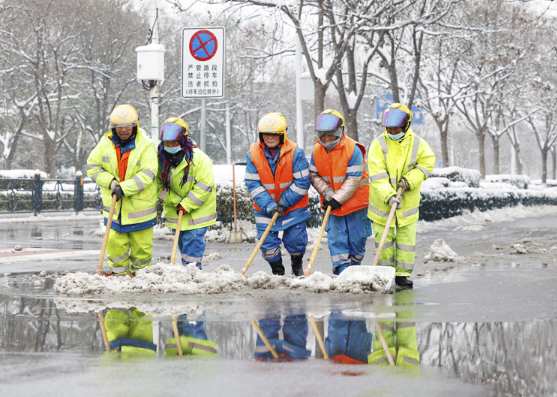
{"points": [[203, 132]]}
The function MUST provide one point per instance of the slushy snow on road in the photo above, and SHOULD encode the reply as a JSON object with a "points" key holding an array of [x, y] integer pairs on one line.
{"points": [[187, 280]]}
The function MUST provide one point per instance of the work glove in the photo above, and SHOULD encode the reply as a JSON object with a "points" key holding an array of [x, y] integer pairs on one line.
{"points": [[393, 200], [275, 210], [114, 184], [118, 192], [180, 208], [403, 183], [335, 205]]}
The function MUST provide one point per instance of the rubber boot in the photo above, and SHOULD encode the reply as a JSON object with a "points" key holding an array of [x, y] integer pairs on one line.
{"points": [[403, 281], [277, 267], [297, 263]]}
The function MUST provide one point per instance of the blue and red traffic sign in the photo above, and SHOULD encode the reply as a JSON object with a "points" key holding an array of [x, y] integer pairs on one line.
{"points": [[203, 45]]}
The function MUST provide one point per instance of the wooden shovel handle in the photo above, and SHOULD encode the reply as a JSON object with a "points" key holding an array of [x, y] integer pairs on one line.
{"points": [[176, 237], [387, 227], [106, 233], [260, 243], [317, 242]]}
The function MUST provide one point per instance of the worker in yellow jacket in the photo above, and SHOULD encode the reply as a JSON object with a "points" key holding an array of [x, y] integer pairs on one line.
{"points": [[124, 164], [398, 158]]}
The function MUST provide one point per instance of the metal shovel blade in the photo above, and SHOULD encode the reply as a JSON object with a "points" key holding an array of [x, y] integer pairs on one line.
{"points": [[235, 238], [353, 273]]}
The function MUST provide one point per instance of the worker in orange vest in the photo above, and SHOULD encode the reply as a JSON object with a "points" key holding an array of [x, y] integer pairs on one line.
{"points": [[339, 174], [277, 177]]}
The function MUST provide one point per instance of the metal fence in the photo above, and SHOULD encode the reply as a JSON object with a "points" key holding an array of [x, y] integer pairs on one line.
{"points": [[48, 195]]}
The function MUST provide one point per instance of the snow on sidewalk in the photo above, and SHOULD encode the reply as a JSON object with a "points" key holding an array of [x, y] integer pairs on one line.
{"points": [[188, 280]]}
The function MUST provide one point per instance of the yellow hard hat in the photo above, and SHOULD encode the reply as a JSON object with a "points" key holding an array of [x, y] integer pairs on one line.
{"points": [[173, 129], [273, 123], [123, 115], [397, 115]]}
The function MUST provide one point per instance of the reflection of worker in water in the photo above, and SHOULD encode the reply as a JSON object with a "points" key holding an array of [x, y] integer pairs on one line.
{"points": [[400, 336], [295, 330], [401, 339], [348, 341], [130, 331], [193, 340]]}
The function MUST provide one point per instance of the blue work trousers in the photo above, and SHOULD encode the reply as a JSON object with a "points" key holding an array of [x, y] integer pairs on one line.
{"points": [[192, 245], [348, 338], [295, 331], [347, 237], [295, 240]]}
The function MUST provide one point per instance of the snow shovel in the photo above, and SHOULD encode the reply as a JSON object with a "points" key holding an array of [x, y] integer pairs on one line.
{"points": [[175, 323], [106, 233], [317, 242], [103, 332], [260, 243], [176, 237], [387, 272], [235, 236]]}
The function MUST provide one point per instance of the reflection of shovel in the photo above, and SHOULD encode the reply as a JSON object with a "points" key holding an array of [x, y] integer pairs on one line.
{"points": [[386, 272], [235, 236]]}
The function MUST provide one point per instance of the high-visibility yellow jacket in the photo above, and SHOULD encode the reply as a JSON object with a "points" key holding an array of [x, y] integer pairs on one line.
{"points": [[140, 192], [198, 195], [389, 161]]}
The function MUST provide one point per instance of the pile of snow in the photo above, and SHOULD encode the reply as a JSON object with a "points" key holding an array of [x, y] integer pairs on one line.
{"points": [[24, 174], [440, 251], [497, 186], [224, 173], [188, 280], [520, 181], [436, 183], [476, 220], [457, 174], [82, 216]]}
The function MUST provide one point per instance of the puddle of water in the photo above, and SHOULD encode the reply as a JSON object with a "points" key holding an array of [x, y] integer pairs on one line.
{"points": [[56, 344]]}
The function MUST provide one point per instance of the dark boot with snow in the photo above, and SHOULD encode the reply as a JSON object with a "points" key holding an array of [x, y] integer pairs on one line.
{"points": [[403, 282], [297, 263], [277, 268]]}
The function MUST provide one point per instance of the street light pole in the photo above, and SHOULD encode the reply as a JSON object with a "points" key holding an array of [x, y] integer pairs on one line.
{"points": [[154, 93]]}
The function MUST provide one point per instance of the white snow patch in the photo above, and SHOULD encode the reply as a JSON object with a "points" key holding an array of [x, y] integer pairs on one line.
{"points": [[440, 251], [321, 74], [188, 280], [213, 257], [476, 220], [519, 249]]}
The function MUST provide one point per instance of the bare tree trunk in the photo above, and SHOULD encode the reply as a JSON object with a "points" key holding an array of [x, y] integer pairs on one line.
{"points": [[544, 165], [496, 166], [351, 124], [518, 159], [554, 162], [319, 99], [49, 153], [481, 142], [444, 133]]}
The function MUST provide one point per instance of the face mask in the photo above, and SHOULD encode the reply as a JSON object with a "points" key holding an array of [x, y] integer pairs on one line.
{"points": [[396, 137], [172, 150], [330, 145]]}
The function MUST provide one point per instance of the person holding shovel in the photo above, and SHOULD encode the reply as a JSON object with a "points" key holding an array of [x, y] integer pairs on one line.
{"points": [[124, 165], [338, 173], [398, 158], [277, 177], [186, 184]]}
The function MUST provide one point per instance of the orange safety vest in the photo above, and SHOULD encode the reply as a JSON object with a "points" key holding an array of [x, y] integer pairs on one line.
{"points": [[332, 167], [283, 178]]}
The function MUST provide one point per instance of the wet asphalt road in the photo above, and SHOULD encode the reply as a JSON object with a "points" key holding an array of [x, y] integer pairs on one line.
{"points": [[485, 325]]}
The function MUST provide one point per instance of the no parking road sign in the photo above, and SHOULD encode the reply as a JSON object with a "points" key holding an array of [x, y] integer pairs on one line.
{"points": [[203, 62]]}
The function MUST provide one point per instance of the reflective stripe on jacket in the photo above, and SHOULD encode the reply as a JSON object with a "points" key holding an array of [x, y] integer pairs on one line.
{"points": [[193, 346], [333, 167], [389, 161], [140, 192], [198, 195]]}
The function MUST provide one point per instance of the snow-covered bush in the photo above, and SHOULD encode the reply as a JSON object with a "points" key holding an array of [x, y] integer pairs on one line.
{"points": [[520, 181], [457, 174]]}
